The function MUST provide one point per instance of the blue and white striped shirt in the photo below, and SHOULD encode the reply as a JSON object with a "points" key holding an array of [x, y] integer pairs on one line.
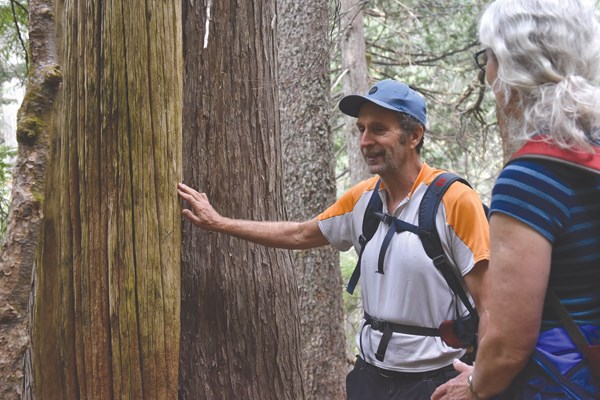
{"points": [[562, 203]]}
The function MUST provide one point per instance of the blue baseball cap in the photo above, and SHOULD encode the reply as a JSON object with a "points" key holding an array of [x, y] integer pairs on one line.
{"points": [[390, 94]]}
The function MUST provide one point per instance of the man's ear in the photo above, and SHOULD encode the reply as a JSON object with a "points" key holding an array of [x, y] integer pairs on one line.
{"points": [[417, 135]]}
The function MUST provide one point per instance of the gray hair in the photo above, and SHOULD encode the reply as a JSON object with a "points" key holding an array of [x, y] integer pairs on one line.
{"points": [[548, 54]]}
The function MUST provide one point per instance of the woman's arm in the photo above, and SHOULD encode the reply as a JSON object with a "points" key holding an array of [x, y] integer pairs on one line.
{"points": [[518, 278], [510, 297]]}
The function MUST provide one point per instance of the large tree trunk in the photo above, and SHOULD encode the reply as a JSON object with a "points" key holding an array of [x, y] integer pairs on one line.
{"points": [[106, 316], [354, 65], [27, 200], [310, 187], [240, 325]]}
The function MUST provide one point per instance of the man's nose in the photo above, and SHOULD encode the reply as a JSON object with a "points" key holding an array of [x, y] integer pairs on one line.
{"points": [[366, 139]]}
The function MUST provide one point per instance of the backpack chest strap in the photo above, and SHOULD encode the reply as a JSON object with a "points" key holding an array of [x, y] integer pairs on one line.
{"points": [[395, 226]]}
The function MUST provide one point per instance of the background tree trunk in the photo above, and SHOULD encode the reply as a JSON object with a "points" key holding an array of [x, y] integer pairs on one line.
{"points": [[354, 64], [27, 200], [309, 164], [240, 324], [106, 317]]}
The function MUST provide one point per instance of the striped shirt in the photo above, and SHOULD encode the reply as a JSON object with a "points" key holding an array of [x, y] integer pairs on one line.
{"points": [[562, 204]]}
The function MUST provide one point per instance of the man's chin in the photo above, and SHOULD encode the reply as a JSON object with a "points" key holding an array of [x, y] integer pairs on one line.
{"points": [[374, 169]]}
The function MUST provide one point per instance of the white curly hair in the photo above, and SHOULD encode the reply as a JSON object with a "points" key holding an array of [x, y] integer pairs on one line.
{"points": [[548, 54]]}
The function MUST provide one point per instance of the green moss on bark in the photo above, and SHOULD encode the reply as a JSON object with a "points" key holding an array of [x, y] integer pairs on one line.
{"points": [[29, 129]]}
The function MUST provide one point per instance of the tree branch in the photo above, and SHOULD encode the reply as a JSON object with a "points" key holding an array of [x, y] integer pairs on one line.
{"points": [[14, 13]]}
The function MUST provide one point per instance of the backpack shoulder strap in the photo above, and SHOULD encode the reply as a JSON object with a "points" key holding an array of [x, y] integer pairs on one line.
{"points": [[429, 207], [544, 150], [430, 237], [591, 353], [369, 226], [370, 222]]}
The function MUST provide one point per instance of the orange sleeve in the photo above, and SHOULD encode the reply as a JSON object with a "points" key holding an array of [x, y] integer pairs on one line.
{"points": [[465, 214], [348, 200]]}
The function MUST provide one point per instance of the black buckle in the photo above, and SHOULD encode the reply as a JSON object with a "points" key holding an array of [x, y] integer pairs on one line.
{"points": [[438, 261], [383, 217], [378, 324], [362, 240]]}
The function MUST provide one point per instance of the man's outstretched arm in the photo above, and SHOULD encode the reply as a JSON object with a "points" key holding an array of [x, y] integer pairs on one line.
{"points": [[285, 235]]}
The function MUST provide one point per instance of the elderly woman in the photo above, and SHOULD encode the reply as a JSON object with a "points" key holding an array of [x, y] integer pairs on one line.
{"points": [[542, 61]]}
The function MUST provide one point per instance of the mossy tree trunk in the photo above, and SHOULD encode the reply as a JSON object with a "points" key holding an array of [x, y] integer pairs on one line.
{"points": [[240, 325], [27, 198], [107, 294], [309, 163]]}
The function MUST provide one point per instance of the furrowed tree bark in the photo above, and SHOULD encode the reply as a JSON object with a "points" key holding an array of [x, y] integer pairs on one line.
{"points": [[106, 315], [354, 64], [240, 325], [27, 198], [309, 163]]}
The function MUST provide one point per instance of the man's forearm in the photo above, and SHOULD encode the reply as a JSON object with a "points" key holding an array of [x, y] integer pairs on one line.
{"points": [[285, 235]]}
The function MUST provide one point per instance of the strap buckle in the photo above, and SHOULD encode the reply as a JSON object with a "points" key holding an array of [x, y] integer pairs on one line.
{"points": [[438, 261], [383, 217], [377, 324], [362, 240]]}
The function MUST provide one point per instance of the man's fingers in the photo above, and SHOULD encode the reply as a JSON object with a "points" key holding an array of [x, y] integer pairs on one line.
{"points": [[189, 197], [184, 195], [439, 393], [461, 366], [188, 193], [198, 204], [182, 187], [190, 215]]}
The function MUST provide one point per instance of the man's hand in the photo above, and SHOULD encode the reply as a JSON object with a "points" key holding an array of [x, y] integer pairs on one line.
{"points": [[201, 213], [457, 388], [283, 235]]}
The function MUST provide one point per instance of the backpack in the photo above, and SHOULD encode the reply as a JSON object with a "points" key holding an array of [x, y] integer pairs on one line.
{"points": [[459, 333], [547, 151]]}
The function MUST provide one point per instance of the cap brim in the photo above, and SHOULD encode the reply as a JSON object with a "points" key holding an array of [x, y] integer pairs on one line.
{"points": [[350, 105]]}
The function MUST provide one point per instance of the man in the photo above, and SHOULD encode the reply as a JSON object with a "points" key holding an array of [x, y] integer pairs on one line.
{"points": [[404, 287]]}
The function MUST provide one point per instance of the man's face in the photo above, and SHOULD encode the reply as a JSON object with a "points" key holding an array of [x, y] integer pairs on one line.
{"points": [[384, 144]]}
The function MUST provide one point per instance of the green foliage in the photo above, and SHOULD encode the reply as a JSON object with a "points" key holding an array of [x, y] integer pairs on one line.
{"points": [[352, 303], [429, 44], [7, 155], [14, 18]]}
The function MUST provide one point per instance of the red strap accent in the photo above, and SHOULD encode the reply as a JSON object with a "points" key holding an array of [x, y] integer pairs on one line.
{"points": [[547, 150]]}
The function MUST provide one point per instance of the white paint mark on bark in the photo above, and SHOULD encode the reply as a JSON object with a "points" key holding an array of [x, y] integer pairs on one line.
{"points": [[207, 24]]}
